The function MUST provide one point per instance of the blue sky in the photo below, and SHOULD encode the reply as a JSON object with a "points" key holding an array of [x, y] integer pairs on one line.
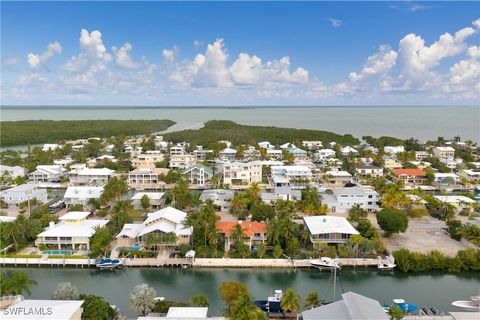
{"points": [[179, 53]]}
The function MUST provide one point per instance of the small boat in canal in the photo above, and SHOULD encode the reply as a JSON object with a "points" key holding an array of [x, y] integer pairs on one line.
{"points": [[325, 263], [468, 305], [404, 306], [109, 264], [387, 265], [272, 304]]}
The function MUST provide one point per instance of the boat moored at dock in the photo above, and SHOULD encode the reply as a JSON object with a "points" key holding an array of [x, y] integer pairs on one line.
{"points": [[468, 305], [325, 263], [109, 264]]}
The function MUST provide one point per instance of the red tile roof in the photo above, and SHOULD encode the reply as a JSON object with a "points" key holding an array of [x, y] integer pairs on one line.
{"points": [[410, 172], [249, 228]]}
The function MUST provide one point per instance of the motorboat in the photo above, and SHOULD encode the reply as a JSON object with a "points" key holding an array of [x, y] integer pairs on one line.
{"points": [[468, 305], [325, 263], [404, 306], [272, 304], [109, 264], [387, 265]]}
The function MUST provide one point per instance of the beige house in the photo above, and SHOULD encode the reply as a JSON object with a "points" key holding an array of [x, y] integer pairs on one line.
{"points": [[182, 161], [443, 152], [242, 173], [147, 160], [146, 178]]}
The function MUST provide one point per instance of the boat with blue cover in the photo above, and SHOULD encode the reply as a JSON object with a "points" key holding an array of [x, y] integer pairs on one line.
{"points": [[403, 305], [272, 304], [109, 264]]}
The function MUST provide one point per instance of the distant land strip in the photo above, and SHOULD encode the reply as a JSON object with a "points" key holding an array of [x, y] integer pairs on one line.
{"points": [[216, 130], [15, 133]]}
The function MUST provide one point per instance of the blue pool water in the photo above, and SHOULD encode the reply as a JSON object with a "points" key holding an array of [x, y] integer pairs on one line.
{"points": [[64, 252]]}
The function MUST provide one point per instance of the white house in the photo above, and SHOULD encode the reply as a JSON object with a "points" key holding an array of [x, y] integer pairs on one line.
{"points": [[198, 174], [459, 202], [287, 145], [202, 154], [343, 199], [421, 155], [329, 229], [146, 178], [161, 222], [348, 150], [73, 232], [443, 152], [296, 177], [275, 153], [297, 153], [471, 175], [442, 178], [323, 154], [156, 199], [266, 145], [372, 171], [221, 198], [13, 197], [312, 144], [81, 195], [281, 193], [90, 176], [12, 172], [47, 173], [337, 178], [50, 147], [242, 173], [227, 154], [394, 149], [18, 308]]}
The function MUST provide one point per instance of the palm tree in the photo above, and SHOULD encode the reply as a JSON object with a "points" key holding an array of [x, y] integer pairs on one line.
{"points": [[254, 190], [290, 302], [18, 282], [312, 300], [10, 231], [242, 308]]}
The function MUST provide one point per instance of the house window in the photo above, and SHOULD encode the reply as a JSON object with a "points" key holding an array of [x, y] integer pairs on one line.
{"points": [[256, 234]]}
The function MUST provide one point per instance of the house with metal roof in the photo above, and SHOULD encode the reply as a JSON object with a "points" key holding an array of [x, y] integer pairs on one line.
{"points": [[81, 195], [198, 174], [27, 309], [329, 229]]}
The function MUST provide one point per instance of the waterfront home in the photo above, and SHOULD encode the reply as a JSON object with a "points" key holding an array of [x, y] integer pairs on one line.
{"points": [[275, 154], [221, 198], [443, 152], [202, 154], [146, 160], [297, 177], [12, 172], [369, 170], [297, 153], [445, 178], [73, 232], [81, 195], [13, 197], [18, 308], [421, 155], [227, 154], [242, 173], [47, 173], [451, 163], [50, 147], [411, 177], [281, 193], [146, 178], [391, 164], [471, 175], [198, 174], [156, 199], [323, 154], [336, 178], [343, 199], [159, 223], [266, 145], [181, 161], [177, 150], [353, 306], [329, 229], [459, 202], [348, 150], [287, 145], [90, 176], [254, 233], [393, 150], [312, 144]]}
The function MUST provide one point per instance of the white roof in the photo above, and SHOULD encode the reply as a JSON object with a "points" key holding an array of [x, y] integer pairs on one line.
{"points": [[445, 175], [84, 229], [130, 230], [83, 192], [166, 227], [95, 172], [454, 199], [167, 213], [75, 215], [60, 309], [290, 169], [7, 219], [445, 148], [150, 195], [229, 150], [21, 188], [338, 173], [328, 224], [187, 313]]}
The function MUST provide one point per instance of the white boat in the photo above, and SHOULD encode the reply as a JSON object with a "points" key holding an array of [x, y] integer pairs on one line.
{"points": [[387, 265], [109, 264], [325, 263], [468, 305]]}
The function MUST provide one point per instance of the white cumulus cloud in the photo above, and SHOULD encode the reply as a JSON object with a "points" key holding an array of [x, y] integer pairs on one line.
{"points": [[35, 60], [123, 58]]}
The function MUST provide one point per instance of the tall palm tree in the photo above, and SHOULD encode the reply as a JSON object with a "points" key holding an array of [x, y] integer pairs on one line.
{"points": [[312, 300], [254, 190], [242, 308], [290, 302], [10, 231]]}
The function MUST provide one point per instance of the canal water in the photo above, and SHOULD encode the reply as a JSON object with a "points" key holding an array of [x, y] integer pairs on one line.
{"points": [[426, 289]]}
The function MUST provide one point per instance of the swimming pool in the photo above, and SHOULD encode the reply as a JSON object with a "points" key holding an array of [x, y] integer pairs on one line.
{"points": [[63, 252]]}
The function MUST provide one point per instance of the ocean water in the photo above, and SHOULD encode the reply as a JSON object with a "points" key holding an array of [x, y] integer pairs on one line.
{"points": [[422, 123]]}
